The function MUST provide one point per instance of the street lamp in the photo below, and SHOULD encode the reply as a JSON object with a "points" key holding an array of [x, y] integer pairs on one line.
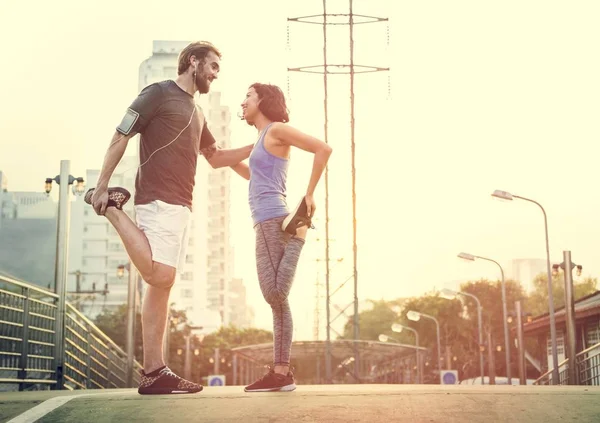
{"points": [[121, 270], [77, 189], [508, 196], [386, 338], [449, 294], [520, 316], [568, 266], [398, 328], [577, 267], [471, 257], [64, 180], [415, 316]]}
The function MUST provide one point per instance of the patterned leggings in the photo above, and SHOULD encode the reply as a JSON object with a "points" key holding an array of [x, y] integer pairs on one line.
{"points": [[277, 255]]}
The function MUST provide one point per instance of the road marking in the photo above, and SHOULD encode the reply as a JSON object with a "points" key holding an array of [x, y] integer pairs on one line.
{"points": [[48, 406]]}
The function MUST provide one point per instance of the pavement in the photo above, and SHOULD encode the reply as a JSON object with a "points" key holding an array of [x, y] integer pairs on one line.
{"points": [[312, 403]]}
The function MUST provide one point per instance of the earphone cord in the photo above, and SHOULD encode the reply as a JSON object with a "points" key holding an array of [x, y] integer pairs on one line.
{"points": [[158, 149]]}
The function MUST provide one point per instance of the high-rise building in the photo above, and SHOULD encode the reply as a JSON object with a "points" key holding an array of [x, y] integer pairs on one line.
{"points": [[242, 315], [526, 270], [96, 250], [203, 289]]}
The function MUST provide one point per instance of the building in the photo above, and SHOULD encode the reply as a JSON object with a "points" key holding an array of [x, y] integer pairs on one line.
{"points": [[587, 328], [33, 205], [203, 290], [526, 270], [96, 250], [202, 287], [24, 205], [6, 205], [242, 315], [27, 235]]}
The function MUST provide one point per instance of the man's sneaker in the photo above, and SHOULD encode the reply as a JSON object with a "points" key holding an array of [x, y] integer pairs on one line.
{"points": [[166, 382], [298, 218], [273, 382], [117, 197]]}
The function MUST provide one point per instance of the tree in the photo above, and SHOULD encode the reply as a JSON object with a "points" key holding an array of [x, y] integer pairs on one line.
{"points": [[379, 319], [226, 338], [490, 296], [373, 322], [537, 303], [455, 331], [114, 325], [458, 325]]}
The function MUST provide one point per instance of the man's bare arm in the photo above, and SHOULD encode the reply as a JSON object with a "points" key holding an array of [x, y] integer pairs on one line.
{"points": [[113, 156], [218, 157]]}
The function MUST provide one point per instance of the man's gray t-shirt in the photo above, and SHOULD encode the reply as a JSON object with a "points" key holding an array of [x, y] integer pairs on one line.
{"points": [[168, 174]]}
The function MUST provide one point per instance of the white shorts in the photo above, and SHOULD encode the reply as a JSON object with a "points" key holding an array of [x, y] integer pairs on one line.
{"points": [[167, 228]]}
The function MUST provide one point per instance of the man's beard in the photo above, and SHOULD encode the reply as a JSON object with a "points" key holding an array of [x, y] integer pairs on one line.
{"points": [[202, 83]]}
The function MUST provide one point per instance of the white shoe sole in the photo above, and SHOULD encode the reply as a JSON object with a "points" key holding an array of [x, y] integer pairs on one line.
{"points": [[287, 388], [290, 216]]}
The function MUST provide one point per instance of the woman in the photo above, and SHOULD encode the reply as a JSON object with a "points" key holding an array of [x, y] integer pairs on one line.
{"points": [[280, 235]]}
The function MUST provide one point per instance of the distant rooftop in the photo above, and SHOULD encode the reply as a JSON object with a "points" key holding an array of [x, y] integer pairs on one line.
{"points": [[168, 47]]}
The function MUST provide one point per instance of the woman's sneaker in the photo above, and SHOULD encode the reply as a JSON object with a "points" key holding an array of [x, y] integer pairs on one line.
{"points": [[164, 381], [273, 382], [298, 218], [117, 197]]}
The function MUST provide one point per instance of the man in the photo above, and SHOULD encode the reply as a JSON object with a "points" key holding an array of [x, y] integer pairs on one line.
{"points": [[173, 133]]}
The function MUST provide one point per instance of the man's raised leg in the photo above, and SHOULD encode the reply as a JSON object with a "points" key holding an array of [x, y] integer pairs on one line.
{"points": [[134, 240], [159, 277]]}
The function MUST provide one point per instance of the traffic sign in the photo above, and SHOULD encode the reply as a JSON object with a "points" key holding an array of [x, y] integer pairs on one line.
{"points": [[216, 380]]}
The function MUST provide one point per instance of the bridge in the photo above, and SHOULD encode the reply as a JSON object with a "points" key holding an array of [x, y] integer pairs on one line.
{"points": [[97, 382], [314, 403]]}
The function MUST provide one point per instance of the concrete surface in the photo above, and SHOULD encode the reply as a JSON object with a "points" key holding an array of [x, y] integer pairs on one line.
{"points": [[319, 403]]}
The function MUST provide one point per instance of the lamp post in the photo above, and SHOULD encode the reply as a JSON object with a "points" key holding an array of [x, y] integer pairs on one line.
{"points": [[450, 295], [131, 300], [471, 257], [187, 364], [503, 195], [568, 266], [415, 316], [398, 328], [64, 180], [521, 342]]}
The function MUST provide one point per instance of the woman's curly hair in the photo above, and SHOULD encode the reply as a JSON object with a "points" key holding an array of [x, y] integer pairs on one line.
{"points": [[271, 102]]}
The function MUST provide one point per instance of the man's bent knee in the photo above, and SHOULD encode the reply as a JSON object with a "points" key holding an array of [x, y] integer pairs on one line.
{"points": [[162, 276]]}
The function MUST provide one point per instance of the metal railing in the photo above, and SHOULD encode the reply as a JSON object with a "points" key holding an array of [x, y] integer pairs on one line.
{"points": [[28, 344], [588, 366]]}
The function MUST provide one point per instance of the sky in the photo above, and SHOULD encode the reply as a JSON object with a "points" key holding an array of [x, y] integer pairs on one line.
{"points": [[483, 96]]}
